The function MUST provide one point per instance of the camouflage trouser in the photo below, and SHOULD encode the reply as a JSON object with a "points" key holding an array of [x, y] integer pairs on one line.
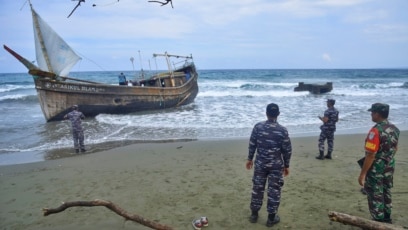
{"points": [[78, 137], [329, 135], [275, 183], [378, 184]]}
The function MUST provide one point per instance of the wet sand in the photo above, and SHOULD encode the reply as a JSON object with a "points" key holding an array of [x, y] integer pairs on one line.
{"points": [[175, 182]]}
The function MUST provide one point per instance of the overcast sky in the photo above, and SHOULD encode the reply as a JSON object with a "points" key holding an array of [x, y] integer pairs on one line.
{"points": [[220, 34]]}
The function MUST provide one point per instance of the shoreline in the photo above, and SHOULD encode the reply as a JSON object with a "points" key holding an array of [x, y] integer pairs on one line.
{"points": [[175, 182], [16, 158]]}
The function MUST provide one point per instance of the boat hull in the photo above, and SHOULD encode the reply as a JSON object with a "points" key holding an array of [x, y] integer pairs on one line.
{"points": [[57, 97]]}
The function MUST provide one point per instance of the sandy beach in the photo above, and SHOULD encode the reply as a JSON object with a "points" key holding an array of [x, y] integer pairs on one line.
{"points": [[175, 182]]}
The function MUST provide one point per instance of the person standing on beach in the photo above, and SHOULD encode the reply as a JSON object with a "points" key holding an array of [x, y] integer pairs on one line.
{"points": [[377, 172], [274, 149], [331, 116], [122, 79], [75, 116]]}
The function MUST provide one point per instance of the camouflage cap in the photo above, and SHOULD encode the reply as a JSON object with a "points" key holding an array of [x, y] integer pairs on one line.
{"points": [[74, 107], [272, 110], [379, 107]]}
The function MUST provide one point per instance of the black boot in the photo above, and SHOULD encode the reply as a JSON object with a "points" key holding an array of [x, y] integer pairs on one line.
{"points": [[272, 219], [387, 218], [320, 157], [328, 156], [254, 217]]}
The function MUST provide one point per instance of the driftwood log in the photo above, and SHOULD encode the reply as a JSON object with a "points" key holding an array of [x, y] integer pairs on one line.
{"points": [[361, 222], [113, 207]]}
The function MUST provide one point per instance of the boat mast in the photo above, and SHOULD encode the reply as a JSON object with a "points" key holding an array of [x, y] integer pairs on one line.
{"points": [[167, 56], [40, 38], [141, 65]]}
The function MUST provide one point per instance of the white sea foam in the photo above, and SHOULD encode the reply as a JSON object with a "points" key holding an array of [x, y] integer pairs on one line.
{"points": [[12, 97], [9, 88]]}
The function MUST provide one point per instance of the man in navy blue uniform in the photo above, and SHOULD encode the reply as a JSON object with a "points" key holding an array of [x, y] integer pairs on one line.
{"points": [[75, 116], [331, 116], [273, 146]]}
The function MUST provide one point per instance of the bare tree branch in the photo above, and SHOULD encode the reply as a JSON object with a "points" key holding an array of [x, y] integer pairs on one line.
{"points": [[79, 3], [113, 207], [164, 3]]}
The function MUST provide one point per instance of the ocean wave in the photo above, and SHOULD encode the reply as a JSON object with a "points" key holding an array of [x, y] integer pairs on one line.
{"points": [[267, 86], [383, 85], [11, 88], [19, 98], [237, 94], [354, 93], [57, 144], [240, 83]]}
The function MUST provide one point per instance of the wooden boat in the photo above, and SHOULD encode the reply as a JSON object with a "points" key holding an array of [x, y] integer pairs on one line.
{"points": [[57, 92], [314, 88]]}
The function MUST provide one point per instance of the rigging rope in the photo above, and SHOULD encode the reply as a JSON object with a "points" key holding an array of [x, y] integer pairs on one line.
{"points": [[23, 5], [90, 61]]}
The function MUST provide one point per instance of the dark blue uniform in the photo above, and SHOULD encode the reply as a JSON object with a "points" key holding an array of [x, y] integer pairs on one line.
{"points": [[77, 132], [274, 149], [328, 129]]}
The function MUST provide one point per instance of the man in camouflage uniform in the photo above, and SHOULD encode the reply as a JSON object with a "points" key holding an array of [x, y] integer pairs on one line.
{"points": [[272, 143], [378, 169], [331, 116], [75, 117]]}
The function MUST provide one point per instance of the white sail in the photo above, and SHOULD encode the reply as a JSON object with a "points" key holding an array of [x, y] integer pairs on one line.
{"points": [[52, 52]]}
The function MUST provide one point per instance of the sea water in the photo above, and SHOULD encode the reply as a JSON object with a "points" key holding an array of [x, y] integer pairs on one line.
{"points": [[228, 105]]}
